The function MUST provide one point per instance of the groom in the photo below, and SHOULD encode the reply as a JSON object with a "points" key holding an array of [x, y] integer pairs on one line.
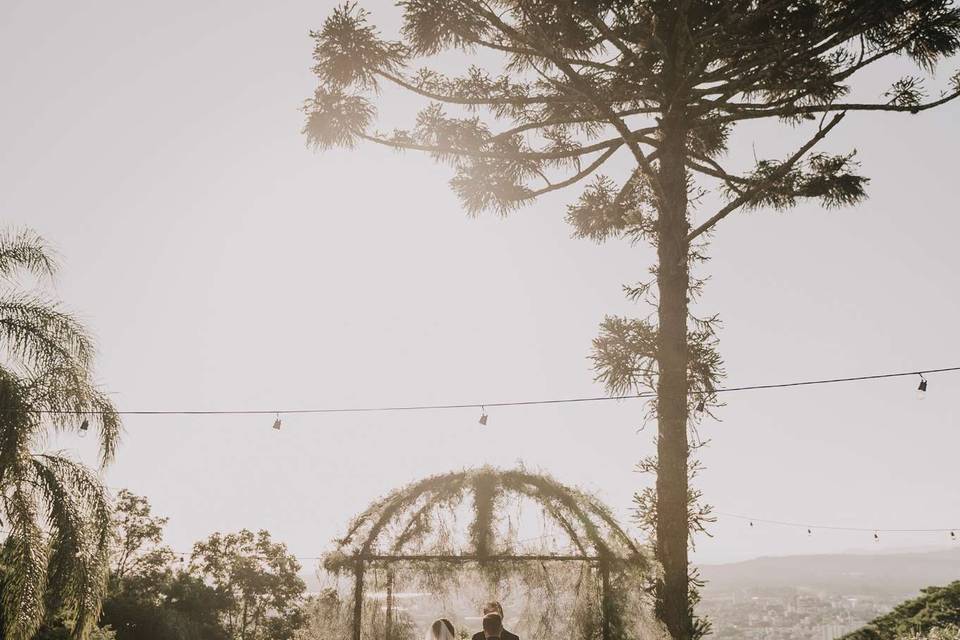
{"points": [[493, 624]]}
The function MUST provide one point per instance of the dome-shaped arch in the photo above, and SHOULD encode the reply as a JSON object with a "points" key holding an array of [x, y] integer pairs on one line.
{"points": [[461, 518]]}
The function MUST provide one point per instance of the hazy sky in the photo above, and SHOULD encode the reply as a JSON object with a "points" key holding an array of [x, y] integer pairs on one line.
{"points": [[224, 265]]}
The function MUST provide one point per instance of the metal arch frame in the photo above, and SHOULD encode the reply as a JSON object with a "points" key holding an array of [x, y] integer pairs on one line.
{"points": [[360, 563], [580, 506]]}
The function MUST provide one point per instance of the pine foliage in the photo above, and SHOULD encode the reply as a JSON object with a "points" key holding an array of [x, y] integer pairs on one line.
{"points": [[581, 81]]}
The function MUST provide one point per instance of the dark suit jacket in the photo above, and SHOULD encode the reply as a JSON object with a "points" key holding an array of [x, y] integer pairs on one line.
{"points": [[504, 635]]}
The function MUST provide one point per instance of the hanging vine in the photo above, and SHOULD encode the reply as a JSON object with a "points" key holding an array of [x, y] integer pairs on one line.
{"points": [[459, 538]]}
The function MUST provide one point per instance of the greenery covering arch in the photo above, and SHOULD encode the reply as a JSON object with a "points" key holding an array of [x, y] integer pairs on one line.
{"points": [[588, 578]]}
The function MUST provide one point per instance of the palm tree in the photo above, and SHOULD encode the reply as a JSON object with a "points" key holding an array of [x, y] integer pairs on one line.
{"points": [[55, 512]]}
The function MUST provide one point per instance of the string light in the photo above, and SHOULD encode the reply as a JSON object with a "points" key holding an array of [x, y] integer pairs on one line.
{"points": [[519, 403], [701, 406], [811, 527], [84, 427], [921, 391], [553, 540]]}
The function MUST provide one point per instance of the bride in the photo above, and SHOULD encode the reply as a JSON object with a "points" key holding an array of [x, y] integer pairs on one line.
{"points": [[441, 629]]}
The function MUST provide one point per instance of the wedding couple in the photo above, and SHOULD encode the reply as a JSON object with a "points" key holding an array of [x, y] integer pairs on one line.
{"points": [[442, 629]]}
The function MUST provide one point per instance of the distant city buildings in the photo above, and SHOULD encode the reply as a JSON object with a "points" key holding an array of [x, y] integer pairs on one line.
{"points": [[790, 614]]}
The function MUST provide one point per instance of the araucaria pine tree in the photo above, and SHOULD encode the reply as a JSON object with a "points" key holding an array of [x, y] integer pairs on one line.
{"points": [[567, 85]]}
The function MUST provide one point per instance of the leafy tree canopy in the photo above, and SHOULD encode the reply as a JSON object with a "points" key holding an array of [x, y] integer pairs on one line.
{"points": [[933, 612], [152, 596], [259, 580], [137, 535]]}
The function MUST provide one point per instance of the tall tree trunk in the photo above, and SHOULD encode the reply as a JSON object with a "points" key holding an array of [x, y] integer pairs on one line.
{"points": [[672, 448], [673, 282]]}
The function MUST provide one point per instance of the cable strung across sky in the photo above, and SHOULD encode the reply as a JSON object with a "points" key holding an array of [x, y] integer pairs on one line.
{"points": [[952, 535], [826, 527], [519, 403]]}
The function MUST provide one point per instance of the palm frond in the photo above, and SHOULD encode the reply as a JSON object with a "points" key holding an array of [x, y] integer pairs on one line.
{"points": [[39, 335], [17, 421], [57, 510], [25, 556], [79, 516], [64, 520], [24, 250], [67, 397]]}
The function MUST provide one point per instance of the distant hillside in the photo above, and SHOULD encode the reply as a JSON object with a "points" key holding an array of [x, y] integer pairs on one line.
{"points": [[842, 574], [901, 574]]}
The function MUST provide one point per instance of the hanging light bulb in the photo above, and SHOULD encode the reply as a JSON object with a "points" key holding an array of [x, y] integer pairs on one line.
{"points": [[277, 423], [953, 536], [751, 523], [84, 427], [701, 406], [483, 416], [809, 532], [922, 389], [876, 537]]}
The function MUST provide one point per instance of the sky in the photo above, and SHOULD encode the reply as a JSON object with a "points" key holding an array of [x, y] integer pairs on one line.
{"points": [[222, 264]]}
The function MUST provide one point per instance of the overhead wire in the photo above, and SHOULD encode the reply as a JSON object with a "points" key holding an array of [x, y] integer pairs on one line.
{"points": [[484, 405]]}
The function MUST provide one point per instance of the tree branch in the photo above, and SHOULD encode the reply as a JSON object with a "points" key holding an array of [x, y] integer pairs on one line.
{"points": [[493, 155], [714, 170], [752, 114], [565, 121], [549, 53], [607, 33], [482, 102], [579, 175], [780, 172]]}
